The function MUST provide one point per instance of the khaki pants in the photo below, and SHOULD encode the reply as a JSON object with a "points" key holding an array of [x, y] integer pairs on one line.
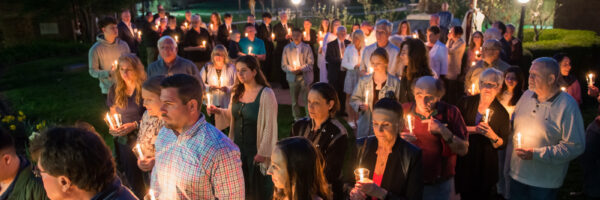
{"points": [[298, 90]]}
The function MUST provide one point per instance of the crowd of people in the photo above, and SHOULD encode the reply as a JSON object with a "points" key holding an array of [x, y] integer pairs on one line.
{"points": [[378, 115]]}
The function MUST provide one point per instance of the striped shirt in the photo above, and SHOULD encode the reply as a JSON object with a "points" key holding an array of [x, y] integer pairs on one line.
{"points": [[200, 163]]}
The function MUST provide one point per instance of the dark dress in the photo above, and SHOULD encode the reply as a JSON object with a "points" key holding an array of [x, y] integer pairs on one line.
{"points": [[245, 116], [477, 172], [126, 159], [403, 174], [332, 140]]}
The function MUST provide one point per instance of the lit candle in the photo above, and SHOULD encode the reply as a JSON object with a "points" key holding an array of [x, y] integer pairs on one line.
{"points": [[208, 100], [519, 142], [590, 79], [410, 126], [249, 50], [415, 35], [477, 53], [215, 80], [473, 63], [139, 34], [151, 193], [156, 26], [295, 65], [289, 31], [230, 32], [320, 33], [371, 70], [304, 33], [211, 27], [109, 120], [204, 43], [272, 36], [367, 97], [320, 44], [362, 174], [177, 39], [245, 34], [564, 89], [473, 89], [221, 82], [185, 24], [117, 118], [139, 150], [487, 115]]}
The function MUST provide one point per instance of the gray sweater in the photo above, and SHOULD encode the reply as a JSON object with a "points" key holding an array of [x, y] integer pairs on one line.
{"points": [[101, 57]]}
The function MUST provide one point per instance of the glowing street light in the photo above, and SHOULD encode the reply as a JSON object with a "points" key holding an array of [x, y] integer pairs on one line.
{"points": [[522, 20]]}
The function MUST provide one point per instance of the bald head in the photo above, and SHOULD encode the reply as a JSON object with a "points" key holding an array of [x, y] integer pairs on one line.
{"points": [[548, 66], [430, 85], [543, 77]]}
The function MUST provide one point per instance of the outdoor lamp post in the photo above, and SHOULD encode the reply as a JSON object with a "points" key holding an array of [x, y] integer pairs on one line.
{"points": [[522, 20], [296, 3]]}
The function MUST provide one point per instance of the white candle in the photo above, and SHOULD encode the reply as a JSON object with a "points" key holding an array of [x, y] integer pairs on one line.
{"points": [[410, 126], [221, 82], [590, 79], [367, 97], [117, 118], [304, 33], [272, 36], [320, 44], [519, 143], [204, 43], [473, 89], [185, 24], [245, 34], [361, 174], [151, 193], [371, 70], [208, 100], [139, 150], [473, 63], [320, 33], [116, 63], [249, 50], [211, 27], [109, 120], [563, 89], [139, 34], [289, 31], [230, 32], [477, 53], [415, 35], [177, 39], [487, 115]]}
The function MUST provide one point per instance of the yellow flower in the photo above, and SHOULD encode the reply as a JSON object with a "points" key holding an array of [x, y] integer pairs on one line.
{"points": [[21, 113], [13, 127], [21, 118]]}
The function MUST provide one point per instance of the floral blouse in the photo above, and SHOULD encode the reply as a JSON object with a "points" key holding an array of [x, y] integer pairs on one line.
{"points": [[149, 128]]}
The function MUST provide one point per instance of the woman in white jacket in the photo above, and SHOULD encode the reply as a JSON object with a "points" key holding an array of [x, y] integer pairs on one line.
{"points": [[351, 62]]}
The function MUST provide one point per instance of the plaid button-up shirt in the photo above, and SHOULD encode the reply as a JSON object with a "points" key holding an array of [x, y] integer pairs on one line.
{"points": [[200, 163]]}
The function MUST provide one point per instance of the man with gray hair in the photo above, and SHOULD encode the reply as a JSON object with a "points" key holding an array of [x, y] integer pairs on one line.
{"points": [[169, 63], [549, 134], [491, 58], [383, 30]]}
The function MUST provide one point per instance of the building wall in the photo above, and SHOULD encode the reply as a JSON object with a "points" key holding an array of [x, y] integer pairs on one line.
{"points": [[578, 14]]}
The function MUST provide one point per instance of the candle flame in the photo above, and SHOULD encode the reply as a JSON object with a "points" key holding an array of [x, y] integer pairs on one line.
{"points": [[139, 150], [151, 193]]}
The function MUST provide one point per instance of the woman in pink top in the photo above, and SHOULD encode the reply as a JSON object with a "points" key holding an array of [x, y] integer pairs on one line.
{"points": [[567, 81]]}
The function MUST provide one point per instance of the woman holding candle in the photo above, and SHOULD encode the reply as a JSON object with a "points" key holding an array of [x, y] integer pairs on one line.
{"points": [[150, 124], [474, 51], [218, 76], [351, 62], [414, 64], [568, 79], [327, 133], [488, 127], [327, 38], [395, 165], [215, 22], [125, 100], [370, 89], [253, 124], [296, 170]]}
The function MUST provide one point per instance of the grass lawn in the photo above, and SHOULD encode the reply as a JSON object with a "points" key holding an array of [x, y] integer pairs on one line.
{"points": [[44, 90]]}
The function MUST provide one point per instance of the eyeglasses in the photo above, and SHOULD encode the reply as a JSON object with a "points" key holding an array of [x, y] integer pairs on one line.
{"points": [[489, 85]]}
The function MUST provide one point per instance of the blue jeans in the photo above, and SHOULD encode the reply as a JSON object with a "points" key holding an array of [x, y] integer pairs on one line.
{"points": [[520, 191], [440, 191]]}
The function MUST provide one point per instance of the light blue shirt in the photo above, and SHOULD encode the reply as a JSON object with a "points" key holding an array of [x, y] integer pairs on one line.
{"points": [[258, 46]]}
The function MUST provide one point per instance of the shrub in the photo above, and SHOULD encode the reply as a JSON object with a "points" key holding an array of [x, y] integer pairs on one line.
{"points": [[557, 39]]}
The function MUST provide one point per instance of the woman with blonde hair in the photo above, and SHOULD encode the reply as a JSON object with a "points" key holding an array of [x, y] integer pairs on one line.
{"points": [[402, 33], [125, 98], [219, 76]]}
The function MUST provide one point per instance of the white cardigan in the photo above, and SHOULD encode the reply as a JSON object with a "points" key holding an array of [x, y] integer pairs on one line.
{"points": [[351, 57]]}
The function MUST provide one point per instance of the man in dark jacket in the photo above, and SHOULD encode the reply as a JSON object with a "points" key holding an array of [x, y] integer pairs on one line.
{"points": [[225, 30], [265, 30], [283, 34], [87, 173], [335, 74], [16, 179], [128, 31]]}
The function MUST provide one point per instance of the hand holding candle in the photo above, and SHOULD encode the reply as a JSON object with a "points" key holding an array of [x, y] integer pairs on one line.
{"points": [[249, 50], [486, 118], [151, 193], [361, 174], [203, 43]]}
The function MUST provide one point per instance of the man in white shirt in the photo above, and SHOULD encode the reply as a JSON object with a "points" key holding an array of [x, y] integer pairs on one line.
{"points": [[438, 55], [548, 135], [383, 30]]}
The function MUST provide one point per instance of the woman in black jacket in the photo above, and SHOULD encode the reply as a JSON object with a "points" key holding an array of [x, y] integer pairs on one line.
{"points": [[395, 165], [488, 127], [328, 134]]}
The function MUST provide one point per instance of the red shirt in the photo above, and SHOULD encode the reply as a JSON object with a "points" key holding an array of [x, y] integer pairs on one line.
{"points": [[377, 180], [438, 160]]}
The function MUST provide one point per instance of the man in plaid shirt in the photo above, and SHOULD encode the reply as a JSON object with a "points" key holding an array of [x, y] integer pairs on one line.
{"points": [[194, 160]]}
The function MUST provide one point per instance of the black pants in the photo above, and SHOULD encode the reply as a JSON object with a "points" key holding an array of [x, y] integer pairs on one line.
{"points": [[277, 73], [336, 78], [132, 176]]}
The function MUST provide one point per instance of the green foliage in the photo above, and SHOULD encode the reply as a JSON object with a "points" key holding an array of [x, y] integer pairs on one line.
{"points": [[557, 39], [40, 49]]}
